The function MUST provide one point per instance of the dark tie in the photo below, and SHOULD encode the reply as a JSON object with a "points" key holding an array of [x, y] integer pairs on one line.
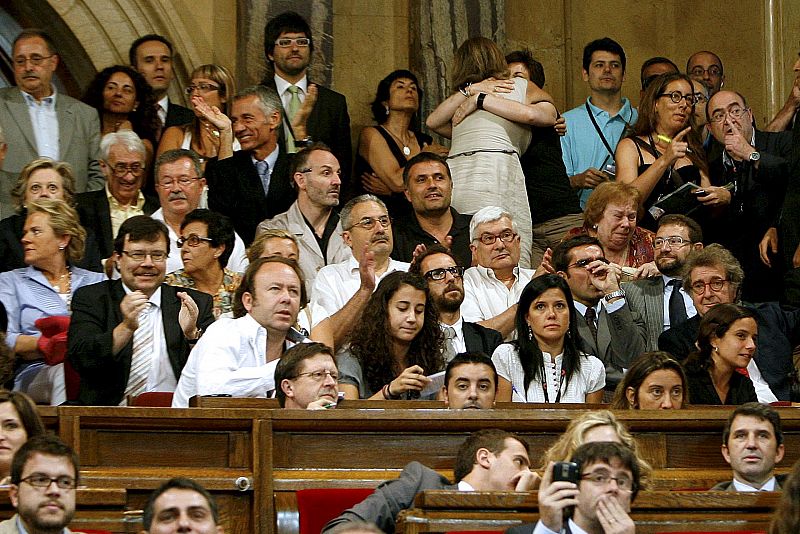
{"points": [[591, 321], [677, 308]]}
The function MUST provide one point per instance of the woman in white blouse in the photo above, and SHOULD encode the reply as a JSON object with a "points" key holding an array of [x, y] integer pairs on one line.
{"points": [[544, 364]]}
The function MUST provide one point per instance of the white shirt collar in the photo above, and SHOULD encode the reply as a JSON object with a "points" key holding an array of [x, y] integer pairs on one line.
{"points": [[48, 100], [488, 272], [769, 485], [465, 486], [271, 159], [282, 85]]}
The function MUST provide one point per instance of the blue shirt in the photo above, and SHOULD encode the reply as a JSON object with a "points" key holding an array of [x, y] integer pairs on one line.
{"points": [[582, 147], [45, 124]]}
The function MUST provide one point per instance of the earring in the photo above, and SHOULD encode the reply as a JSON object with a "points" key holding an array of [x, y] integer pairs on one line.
{"points": [[716, 348], [530, 333], [594, 227], [62, 247], [386, 106]]}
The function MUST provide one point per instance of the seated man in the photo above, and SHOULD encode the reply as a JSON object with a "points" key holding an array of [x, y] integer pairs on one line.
{"points": [[593, 505], [238, 356], [489, 460], [306, 378], [470, 382], [752, 443], [181, 505]]}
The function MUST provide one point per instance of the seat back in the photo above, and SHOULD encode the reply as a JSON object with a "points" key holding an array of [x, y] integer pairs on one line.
{"points": [[156, 399], [316, 507]]}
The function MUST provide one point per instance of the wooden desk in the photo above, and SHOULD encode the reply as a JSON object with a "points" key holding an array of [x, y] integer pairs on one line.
{"points": [[100, 509]]}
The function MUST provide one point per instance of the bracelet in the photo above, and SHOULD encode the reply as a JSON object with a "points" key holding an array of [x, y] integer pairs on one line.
{"points": [[481, 98], [464, 92], [387, 393]]}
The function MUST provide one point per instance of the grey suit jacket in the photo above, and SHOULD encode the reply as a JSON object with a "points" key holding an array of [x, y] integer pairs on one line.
{"points": [[646, 297], [780, 481], [391, 497], [78, 142]]}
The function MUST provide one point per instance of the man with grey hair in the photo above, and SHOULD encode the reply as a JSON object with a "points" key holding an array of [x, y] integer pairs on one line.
{"points": [[254, 184], [492, 288]]}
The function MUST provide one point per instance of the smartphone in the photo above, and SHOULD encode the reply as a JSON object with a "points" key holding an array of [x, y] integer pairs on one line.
{"points": [[569, 471], [611, 170]]}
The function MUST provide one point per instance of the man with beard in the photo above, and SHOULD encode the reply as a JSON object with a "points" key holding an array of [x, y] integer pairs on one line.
{"points": [[429, 187], [44, 475], [306, 378], [311, 219], [661, 301], [470, 382]]}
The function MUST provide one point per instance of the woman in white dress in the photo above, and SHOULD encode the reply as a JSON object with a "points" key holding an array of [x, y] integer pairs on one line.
{"points": [[488, 119], [544, 363]]}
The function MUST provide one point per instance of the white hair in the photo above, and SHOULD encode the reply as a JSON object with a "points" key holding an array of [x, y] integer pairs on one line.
{"points": [[126, 138], [487, 215]]}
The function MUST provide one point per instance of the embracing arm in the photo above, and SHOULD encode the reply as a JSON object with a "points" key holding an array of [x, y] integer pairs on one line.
{"points": [[373, 148], [439, 119]]}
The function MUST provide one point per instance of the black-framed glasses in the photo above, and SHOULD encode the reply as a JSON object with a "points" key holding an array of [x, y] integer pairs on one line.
{"points": [[286, 42], [506, 236], [716, 284], [201, 87], [602, 478], [155, 255], [35, 60], [368, 223], [119, 170], [319, 376], [40, 480], [713, 70], [439, 274], [586, 261], [193, 240], [185, 181], [677, 96], [735, 113], [674, 241]]}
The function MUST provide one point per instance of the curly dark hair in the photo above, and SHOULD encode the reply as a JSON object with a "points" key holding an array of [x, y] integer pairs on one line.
{"points": [[144, 117], [371, 341]]}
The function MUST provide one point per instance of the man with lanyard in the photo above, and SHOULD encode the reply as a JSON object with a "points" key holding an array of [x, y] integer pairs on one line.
{"points": [[595, 128]]}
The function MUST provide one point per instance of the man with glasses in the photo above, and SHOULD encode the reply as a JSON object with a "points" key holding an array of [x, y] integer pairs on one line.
{"points": [[316, 176], [44, 475], [306, 378], [40, 122], [713, 276], [706, 68], [179, 185], [288, 46], [661, 300], [757, 166], [133, 335]]}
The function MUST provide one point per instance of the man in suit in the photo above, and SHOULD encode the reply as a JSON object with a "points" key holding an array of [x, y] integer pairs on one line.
{"points": [[489, 460], [151, 55], [446, 285], [470, 382], [38, 121], [608, 328], [123, 163], [181, 505], [661, 300], [288, 45], [254, 184], [752, 443], [133, 335]]}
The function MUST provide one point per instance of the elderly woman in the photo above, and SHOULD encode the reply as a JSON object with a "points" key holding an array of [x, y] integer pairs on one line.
{"points": [[206, 243], [41, 178], [488, 119], [655, 381], [53, 242], [210, 133], [19, 422]]}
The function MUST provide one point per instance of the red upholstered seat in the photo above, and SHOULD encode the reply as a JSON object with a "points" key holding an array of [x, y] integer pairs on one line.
{"points": [[318, 506], [715, 532], [152, 398]]}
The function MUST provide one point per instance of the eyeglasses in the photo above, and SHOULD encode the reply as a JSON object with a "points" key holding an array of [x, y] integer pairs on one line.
{"points": [[602, 479], [35, 60], [698, 288], [319, 376], [506, 236], [285, 42], [677, 96], [201, 87], [440, 274], [119, 170], [156, 255], [182, 182], [38, 480], [735, 113], [713, 70], [193, 240], [586, 261], [674, 241], [700, 98], [368, 223]]}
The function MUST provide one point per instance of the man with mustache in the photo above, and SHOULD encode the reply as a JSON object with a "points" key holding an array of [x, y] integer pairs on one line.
{"points": [[133, 335], [40, 122], [470, 382], [306, 378], [179, 184], [316, 176]]}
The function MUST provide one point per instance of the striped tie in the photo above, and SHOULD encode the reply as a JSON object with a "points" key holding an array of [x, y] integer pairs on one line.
{"points": [[291, 110], [141, 361]]}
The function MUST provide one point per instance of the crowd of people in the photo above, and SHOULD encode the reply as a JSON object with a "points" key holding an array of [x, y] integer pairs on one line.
{"points": [[639, 256]]}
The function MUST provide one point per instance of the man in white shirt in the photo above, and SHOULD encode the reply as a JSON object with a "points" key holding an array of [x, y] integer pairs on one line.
{"points": [[492, 288], [238, 356], [752, 443], [306, 378]]}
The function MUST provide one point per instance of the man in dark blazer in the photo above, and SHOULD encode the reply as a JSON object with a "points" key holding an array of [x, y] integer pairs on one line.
{"points": [[489, 460], [288, 46], [254, 184], [108, 319]]}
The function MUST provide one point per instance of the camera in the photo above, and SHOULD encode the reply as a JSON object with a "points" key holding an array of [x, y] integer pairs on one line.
{"points": [[568, 471]]}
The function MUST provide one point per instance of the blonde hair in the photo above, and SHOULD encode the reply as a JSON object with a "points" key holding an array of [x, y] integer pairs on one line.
{"points": [[64, 221], [222, 76], [62, 168], [256, 248]]}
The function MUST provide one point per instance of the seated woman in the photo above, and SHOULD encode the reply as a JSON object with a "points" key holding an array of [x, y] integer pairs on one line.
{"points": [[726, 343], [206, 243], [544, 363], [655, 381], [41, 178], [19, 422], [53, 241], [396, 345]]}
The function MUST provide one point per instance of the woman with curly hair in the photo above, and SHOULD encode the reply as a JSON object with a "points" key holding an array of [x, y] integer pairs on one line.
{"points": [[397, 344]]}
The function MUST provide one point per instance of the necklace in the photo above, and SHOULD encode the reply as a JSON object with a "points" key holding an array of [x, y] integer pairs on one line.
{"points": [[406, 149]]}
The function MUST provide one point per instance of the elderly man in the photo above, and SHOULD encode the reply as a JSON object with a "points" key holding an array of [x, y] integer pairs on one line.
{"points": [[306, 378], [181, 505], [489, 460], [179, 184], [470, 382], [238, 356], [133, 335], [312, 219], [254, 184], [492, 288], [38, 121], [706, 68]]}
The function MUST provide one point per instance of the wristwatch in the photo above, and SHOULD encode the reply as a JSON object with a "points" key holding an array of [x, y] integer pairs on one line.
{"points": [[754, 156], [615, 294], [304, 142]]}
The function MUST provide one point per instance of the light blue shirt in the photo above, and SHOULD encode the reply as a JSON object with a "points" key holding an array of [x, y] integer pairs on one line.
{"points": [[582, 147], [45, 124]]}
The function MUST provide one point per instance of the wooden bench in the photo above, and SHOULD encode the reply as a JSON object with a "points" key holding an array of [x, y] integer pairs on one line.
{"points": [[98, 509]]}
